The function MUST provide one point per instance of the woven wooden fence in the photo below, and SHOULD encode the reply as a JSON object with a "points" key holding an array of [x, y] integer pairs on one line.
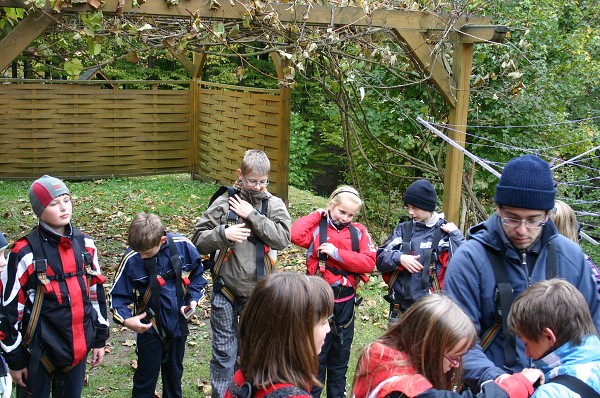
{"points": [[90, 129]]}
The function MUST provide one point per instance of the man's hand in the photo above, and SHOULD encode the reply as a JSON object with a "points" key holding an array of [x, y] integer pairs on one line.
{"points": [[237, 233], [411, 263], [135, 323], [19, 376], [240, 207], [97, 356]]}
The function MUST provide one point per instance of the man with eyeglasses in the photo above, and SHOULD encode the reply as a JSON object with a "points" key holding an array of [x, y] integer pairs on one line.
{"points": [[515, 247]]}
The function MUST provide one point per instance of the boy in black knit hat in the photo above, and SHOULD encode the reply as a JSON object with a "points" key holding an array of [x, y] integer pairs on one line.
{"points": [[54, 302], [515, 247], [414, 256]]}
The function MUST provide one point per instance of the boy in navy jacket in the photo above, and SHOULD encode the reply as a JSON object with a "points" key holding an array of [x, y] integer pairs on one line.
{"points": [[161, 274]]}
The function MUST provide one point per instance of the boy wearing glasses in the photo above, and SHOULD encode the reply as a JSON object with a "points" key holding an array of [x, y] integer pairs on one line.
{"points": [[247, 229], [515, 247]]}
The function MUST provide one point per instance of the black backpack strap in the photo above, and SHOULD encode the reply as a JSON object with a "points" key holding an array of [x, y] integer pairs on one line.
{"points": [[354, 238], [176, 264], [405, 249], [260, 246], [576, 385], [154, 299], [551, 266], [430, 258], [504, 297], [322, 239]]}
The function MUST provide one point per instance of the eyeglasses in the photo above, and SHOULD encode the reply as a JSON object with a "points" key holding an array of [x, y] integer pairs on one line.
{"points": [[254, 183], [529, 223], [454, 361]]}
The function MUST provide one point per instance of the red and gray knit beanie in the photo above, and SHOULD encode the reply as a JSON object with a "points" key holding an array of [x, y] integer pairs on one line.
{"points": [[43, 191]]}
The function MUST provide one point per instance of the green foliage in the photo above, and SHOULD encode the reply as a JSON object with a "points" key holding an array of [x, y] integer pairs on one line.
{"points": [[300, 150]]}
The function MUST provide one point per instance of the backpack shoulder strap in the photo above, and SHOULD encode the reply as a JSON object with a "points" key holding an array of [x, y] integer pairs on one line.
{"points": [[430, 257], [576, 385], [322, 239], [406, 236], [176, 264], [354, 238], [504, 297]]}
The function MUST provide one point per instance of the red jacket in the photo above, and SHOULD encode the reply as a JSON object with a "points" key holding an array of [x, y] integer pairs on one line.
{"points": [[274, 391], [383, 374], [305, 233]]}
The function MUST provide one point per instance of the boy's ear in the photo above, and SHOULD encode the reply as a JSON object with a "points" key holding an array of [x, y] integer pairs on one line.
{"points": [[548, 337], [163, 240], [239, 174]]}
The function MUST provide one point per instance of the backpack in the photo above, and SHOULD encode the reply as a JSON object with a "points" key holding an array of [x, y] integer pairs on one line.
{"points": [[30, 339], [323, 257], [431, 257], [213, 261]]}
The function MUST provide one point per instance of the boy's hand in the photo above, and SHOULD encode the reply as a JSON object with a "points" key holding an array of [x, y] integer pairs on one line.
{"points": [[188, 310], [135, 323], [97, 356], [19, 376], [240, 207], [411, 263], [237, 233], [448, 227]]}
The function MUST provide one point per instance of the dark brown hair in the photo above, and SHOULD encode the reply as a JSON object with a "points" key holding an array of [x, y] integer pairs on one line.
{"points": [[554, 304], [145, 232], [276, 330], [433, 325]]}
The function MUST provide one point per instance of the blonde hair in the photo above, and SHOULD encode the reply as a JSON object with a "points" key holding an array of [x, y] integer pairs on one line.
{"points": [[344, 192], [255, 161], [564, 218]]}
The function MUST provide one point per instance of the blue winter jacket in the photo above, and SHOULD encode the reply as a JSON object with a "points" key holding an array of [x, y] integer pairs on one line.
{"points": [[470, 280], [388, 254], [582, 361], [131, 279]]}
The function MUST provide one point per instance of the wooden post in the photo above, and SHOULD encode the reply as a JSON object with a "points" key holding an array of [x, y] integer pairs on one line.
{"points": [[462, 64], [285, 109]]}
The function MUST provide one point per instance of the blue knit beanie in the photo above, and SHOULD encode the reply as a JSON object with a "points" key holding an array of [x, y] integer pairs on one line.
{"points": [[3, 242], [526, 183], [421, 194]]}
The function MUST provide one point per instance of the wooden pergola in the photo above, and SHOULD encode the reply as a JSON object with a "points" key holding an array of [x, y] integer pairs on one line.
{"points": [[419, 31]]}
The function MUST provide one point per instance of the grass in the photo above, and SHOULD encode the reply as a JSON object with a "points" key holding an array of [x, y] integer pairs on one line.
{"points": [[104, 208]]}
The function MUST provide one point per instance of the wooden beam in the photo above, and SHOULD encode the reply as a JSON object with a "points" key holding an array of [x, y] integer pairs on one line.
{"points": [[199, 61], [18, 39], [183, 59], [285, 12], [431, 64], [462, 64]]}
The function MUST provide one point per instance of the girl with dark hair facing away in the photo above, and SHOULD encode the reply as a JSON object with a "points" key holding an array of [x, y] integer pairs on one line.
{"points": [[281, 331], [420, 356]]}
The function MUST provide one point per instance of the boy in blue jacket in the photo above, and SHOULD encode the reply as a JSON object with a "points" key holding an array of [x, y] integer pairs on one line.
{"points": [[161, 274], [553, 320]]}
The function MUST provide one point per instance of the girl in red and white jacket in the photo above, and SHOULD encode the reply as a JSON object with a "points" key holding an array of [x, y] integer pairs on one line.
{"points": [[342, 253], [420, 356]]}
